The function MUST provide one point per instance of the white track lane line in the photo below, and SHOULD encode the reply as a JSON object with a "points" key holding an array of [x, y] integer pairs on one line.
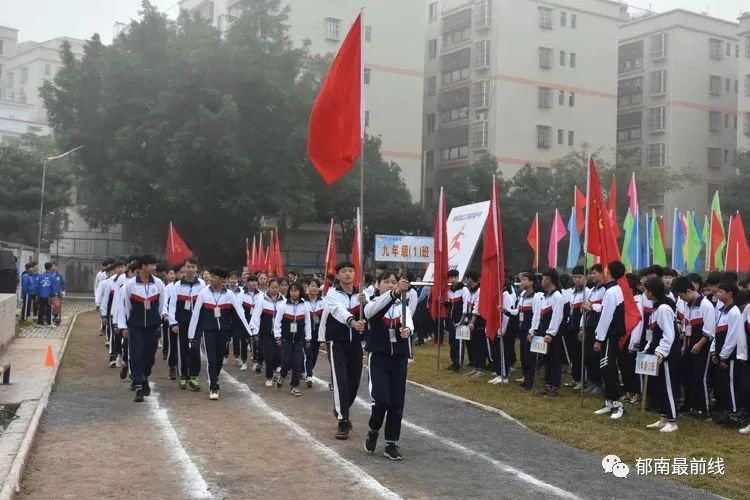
{"points": [[334, 459], [502, 466], [194, 484]]}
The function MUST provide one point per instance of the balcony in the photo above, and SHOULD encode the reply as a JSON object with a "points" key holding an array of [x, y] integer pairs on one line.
{"points": [[480, 136], [482, 15]]}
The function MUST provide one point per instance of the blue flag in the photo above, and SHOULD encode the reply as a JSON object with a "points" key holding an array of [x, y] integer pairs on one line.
{"points": [[678, 258], [645, 259], [698, 264], [574, 244]]}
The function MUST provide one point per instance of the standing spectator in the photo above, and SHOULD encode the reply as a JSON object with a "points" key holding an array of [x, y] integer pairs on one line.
{"points": [[47, 288], [62, 287], [28, 291]]}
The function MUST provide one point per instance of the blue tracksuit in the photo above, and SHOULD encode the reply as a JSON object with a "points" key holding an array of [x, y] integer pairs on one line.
{"points": [[47, 285], [28, 294], [61, 284]]}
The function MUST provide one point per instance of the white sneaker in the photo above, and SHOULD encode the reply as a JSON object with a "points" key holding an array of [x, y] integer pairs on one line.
{"points": [[669, 427], [237, 362], [213, 395], [606, 408], [618, 410], [495, 380], [280, 382], [243, 368], [522, 379], [309, 382], [269, 383], [505, 380], [658, 424], [278, 369], [112, 364], [745, 430], [256, 366], [118, 362]]}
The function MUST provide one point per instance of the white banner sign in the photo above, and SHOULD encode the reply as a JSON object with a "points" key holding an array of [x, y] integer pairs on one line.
{"points": [[396, 248], [465, 226], [538, 345], [646, 364]]}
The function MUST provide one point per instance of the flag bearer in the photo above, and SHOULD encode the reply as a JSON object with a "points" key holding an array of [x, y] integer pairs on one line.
{"points": [[249, 297], [292, 330], [389, 348], [181, 306]]}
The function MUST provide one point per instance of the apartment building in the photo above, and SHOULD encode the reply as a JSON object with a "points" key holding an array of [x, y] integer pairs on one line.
{"points": [[743, 72], [394, 57], [525, 81], [678, 89]]}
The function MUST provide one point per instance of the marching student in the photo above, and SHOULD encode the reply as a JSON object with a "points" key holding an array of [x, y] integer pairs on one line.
{"points": [[257, 352], [574, 333], [315, 305], [169, 280], [248, 296], [106, 308], [547, 321], [284, 287], [139, 316], [239, 348], [699, 329], [292, 330], [527, 304], [667, 349], [213, 318], [342, 330], [170, 338], [101, 277], [28, 291], [592, 306], [728, 351], [184, 295], [457, 305], [261, 325], [121, 341], [389, 350], [609, 331]]}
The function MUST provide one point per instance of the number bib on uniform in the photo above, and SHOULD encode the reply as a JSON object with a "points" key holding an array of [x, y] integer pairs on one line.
{"points": [[293, 327], [217, 312]]}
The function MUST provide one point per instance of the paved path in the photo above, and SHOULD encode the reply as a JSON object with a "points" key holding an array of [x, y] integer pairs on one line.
{"points": [[259, 442]]}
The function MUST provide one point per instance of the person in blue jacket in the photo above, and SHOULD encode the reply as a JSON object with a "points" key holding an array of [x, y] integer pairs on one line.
{"points": [[28, 291], [48, 288], [62, 287]]}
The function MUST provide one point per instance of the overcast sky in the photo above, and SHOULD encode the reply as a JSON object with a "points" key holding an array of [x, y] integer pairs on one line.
{"points": [[44, 19]]}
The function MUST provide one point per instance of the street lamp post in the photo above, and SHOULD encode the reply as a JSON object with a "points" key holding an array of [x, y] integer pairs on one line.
{"points": [[41, 202]]}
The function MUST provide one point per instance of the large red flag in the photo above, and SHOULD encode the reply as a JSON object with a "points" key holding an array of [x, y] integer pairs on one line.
{"points": [[533, 239], [738, 253], [613, 206], [248, 258], [271, 256], [260, 262], [440, 261], [663, 230], [330, 268], [176, 249], [279, 258], [336, 123], [357, 252], [580, 204], [493, 267]]}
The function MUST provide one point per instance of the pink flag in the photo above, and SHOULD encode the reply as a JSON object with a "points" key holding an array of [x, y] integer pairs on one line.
{"points": [[557, 233]]}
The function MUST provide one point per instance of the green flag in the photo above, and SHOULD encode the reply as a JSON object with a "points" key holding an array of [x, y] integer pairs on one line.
{"points": [[657, 245], [693, 243], [718, 236], [628, 227]]}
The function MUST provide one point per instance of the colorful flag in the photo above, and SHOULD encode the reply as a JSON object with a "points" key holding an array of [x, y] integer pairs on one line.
{"points": [[440, 280], [557, 233], [357, 251], [336, 127], [579, 201], [657, 244], [716, 237], [693, 243], [493, 267], [330, 264], [279, 258], [645, 243], [631, 242], [613, 206], [574, 242], [600, 239], [176, 249], [678, 240], [533, 239], [738, 253]]}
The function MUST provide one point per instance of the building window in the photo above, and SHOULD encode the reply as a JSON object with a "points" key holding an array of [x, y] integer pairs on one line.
{"points": [[543, 136], [726, 156], [431, 85], [573, 21], [714, 157], [630, 57], [457, 36], [24, 75], [630, 92], [367, 118], [22, 96], [657, 82], [563, 18], [480, 95], [729, 49], [545, 18], [658, 46], [482, 14], [726, 120], [367, 76], [572, 99], [545, 57], [545, 97], [714, 85], [715, 46], [457, 75], [562, 58], [656, 155], [432, 48], [714, 121], [454, 114], [368, 33], [629, 126], [657, 119], [480, 137], [572, 59], [727, 85], [454, 153], [482, 54], [737, 51], [432, 12], [430, 123], [429, 161], [571, 138], [561, 98], [560, 136], [333, 29]]}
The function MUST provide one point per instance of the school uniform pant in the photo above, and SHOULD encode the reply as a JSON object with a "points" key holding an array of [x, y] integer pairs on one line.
{"points": [[189, 353], [665, 387], [456, 346], [311, 357], [173, 350], [239, 345], [592, 359], [346, 370], [387, 376], [694, 371], [268, 346], [45, 311], [257, 352], [115, 338], [728, 385], [626, 362], [509, 342], [165, 340], [214, 342], [481, 347], [552, 369], [528, 358], [292, 358], [27, 306], [608, 368], [572, 348], [142, 344], [500, 362]]}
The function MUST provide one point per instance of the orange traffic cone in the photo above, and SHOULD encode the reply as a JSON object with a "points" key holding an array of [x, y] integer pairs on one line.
{"points": [[49, 362]]}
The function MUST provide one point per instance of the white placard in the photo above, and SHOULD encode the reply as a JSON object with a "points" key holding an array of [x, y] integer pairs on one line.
{"points": [[465, 226], [538, 345], [646, 364], [397, 248], [463, 333]]}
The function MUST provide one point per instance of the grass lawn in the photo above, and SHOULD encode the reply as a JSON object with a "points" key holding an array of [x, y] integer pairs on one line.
{"points": [[577, 426]]}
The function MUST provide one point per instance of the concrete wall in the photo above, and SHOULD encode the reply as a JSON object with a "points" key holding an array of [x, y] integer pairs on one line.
{"points": [[7, 318]]}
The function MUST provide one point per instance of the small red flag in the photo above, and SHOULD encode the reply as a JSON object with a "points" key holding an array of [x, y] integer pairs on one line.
{"points": [[599, 237], [580, 204], [253, 257], [357, 252], [533, 239], [177, 250], [330, 268], [279, 258], [440, 264], [334, 137], [248, 258], [493, 267], [738, 253]]}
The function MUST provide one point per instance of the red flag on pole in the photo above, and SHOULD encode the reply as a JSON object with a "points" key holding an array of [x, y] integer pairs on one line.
{"points": [[738, 253], [493, 267], [253, 257], [260, 263], [440, 264], [336, 124], [357, 252], [580, 204], [533, 239], [330, 268], [271, 255], [248, 258], [613, 206], [279, 258], [176, 249]]}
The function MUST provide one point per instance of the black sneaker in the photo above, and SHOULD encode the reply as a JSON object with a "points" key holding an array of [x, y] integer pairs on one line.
{"points": [[146, 388], [371, 441], [124, 371], [349, 424], [343, 431], [258, 368], [172, 373], [391, 451], [138, 394]]}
